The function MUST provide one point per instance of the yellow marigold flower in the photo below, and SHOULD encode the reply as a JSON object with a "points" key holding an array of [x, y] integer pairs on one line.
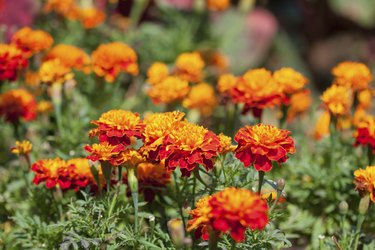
{"points": [[157, 73], [44, 107], [360, 116], [322, 125], [111, 59], [201, 97], [226, 83], [218, 5], [70, 56], [300, 102], [16, 104], [337, 100], [22, 148], [170, 90], [365, 98], [226, 144], [32, 41], [353, 75], [12, 60], [32, 78], [289, 80], [189, 66], [54, 71], [91, 17], [364, 179], [66, 8]]}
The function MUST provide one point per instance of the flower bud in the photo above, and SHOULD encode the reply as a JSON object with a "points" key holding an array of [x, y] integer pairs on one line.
{"points": [[280, 184], [177, 232], [343, 207], [364, 203], [132, 180]]}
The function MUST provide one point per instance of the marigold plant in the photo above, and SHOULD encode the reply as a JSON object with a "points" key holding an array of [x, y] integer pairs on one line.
{"points": [[157, 73], [289, 80], [337, 100], [170, 90], [55, 72], [16, 104], [12, 60], [32, 41], [364, 179], [353, 75], [189, 67]]}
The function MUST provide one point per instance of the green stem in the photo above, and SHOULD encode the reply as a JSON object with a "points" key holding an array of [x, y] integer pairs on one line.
{"points": [[370, 155], [133, 185], [16, 129], [260, 183], [178, 196], [137, 11], [212, 243], [332, 128], [113, 203], [361, 219]]}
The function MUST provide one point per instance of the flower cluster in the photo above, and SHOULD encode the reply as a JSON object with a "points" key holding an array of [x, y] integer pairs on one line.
{"points": [[32, 41], [110, 59], [218, 5], [365, 133], [364, 179], [169, 90], [16, 104], [201, 97], [54, 71], [354, 75], [260, 145], [12, 60], [231, 210]]}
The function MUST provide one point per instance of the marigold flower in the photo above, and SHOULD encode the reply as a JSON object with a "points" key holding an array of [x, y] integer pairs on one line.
{"points": [[44, 106], [218, 5], [337, 100], [289, 80], [76, 58], [322, 125], [226, 144], [202, 97], [54, 71], [32, 41], [91, 17], [353, 75], [12, 60], [118, 127], [226, 83], [365, 133], [170, 90], [52, 172], [261, 144], [80, 174], [157, 73], [231, 210], [364, 179], [16, 104], [22, 148], [365, 98], [111, 59], [300, 102], [66, 8], [257, 90], [360, 116], [189, 67]]}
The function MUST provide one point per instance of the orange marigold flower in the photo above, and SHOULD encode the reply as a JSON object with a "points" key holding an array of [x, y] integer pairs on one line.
{"points": [[365, 98], [32, 78], [22, 148], [52, 172], [231, 210], [364, 179], [54, 71], [118, 127], [360, 116], [189, 67], [218, 5], [226, 144], [104, 152], [261, 144], [12, 60], [16, 104], [337, 100], [170, 90], [66, 8], [32, 41], [322, 125], [91, 17], [44, 107], [300, 102], [76, 58], [111, 59], [365, 133], [80, 175], [157, 73], [257, 90], [289, 80], [226, 83], [353, 75], [201, 97]]}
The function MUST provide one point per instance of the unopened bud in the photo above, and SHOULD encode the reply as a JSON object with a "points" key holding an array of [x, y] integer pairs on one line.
{"points": [[343, 207], [132, 180], [364, 203], [280, 184], [177, 232]]}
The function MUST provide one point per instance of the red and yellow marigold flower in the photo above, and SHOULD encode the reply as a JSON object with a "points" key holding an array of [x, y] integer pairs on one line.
{"points": [[118, 127], [337, 100], [76, 58], [257, 90], [16, 104], [365, 133], [32, 41], [66, 8], [55, 72], [289, 80], [22, 148], [52, 172], [261, 144], [299, 103], [189, 67], [110, 59], [364, 98], [226, 83], [80, 174], [170, 90], [218, 5], [229, 211], [157, 73], [201, 97], [91, 17], [12, 60], [44, 107], [226, 144], [364, 179], [353, 75]]}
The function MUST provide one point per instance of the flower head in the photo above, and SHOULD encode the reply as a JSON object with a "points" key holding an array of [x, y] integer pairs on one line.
{"points": [[157, 73], [300, 102], [91, 17], [289, 80], [12, 60], [231, 210], [201, 97], [226, 144], [54, 71], [365, 133], [262, 144], [22, 148], [365, 98], [353, 75], [32, 41], [76, 58], [218, 5], [16, 104], [44, 107], [337, 100], [226, 83], [364, 180], [189, 67], [110, 59], [66, 8], [52, 172], [170, 90]]}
